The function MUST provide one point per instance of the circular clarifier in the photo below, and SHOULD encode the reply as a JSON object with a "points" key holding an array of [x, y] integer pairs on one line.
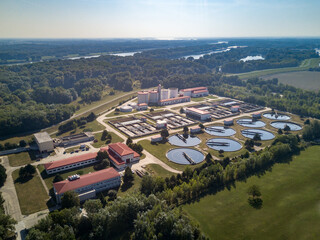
{"points": [[185, 156], [225, 144], [274, 116], [248, 122], [264, 135], [281, 125], [220, 131], [184, 141]]}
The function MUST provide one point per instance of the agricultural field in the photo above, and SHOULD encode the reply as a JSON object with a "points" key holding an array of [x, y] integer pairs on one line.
{"points": [[290, 194], [304, 79]]}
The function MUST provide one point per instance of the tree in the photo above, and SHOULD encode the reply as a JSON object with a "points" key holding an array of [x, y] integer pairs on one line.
{"points": [[185, 129], [221, 151], [6, 226], [201, 126], [101, 155], [209, 158], [254, 191], [255, 197], [92, 206], [104, 135], [129, 141], [104, 163], [164, 133], [151, 110], [57, 178], [181, 110], [128, 176], [3, 175], [257, 137], [112, 194], [280, 131], [286, 128], [22, 143], [91, 117], [70, 199], [27, 171]]}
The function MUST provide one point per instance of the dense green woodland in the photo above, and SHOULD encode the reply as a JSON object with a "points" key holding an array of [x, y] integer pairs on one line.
{"points": [[35, 96]]}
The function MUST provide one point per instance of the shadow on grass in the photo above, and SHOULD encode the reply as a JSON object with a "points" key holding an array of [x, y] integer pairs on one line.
{"points": [[125, 186], [23, 180]]}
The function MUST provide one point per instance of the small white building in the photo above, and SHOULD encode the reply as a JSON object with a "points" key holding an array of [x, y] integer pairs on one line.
{"points": [[121, 155], [256, 115], [88, 185], [235, 109], [195, 129], [142, 106], [44, 142], [156, 138], [228, 122], [161, 124], [199, 114], [195, 92], [126, 109]]}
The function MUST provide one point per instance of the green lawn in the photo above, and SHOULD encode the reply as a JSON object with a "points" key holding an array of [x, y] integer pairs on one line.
{"points": [[199, 99], [93, 126], [31, 194], [302, 79], [115, 114], [123, 190], [17, 139], [291, 204], [115, 138], [49, 178], [157, 170], [305, 65], [19, 159]]}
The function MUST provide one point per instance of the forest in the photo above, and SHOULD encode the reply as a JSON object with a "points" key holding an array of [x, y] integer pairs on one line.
{"points": [[35, 96]]}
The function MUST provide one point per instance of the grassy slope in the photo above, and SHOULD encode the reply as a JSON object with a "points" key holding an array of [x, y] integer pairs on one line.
{"points": [[19, 159], [305, 65], [291, 207], [31, 194], [157, 170], [115, 138]]}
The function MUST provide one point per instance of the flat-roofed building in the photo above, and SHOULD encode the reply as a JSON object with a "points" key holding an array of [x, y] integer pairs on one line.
{"points": [[89, 184], [121, 155], [256, 115], [228, 122], [44, 142], [197, 113], [235, 109], [176, 100], [70, 163], [195, 129], [75, 139], [156, 138], [142, 106]]}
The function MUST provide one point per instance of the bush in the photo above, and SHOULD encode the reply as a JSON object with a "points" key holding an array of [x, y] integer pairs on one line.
{"points": [[3, 175], [70, 199]]}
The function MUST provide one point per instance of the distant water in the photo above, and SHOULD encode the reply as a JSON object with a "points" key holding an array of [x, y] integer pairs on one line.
{"points": [[85, 57], [198, 56], [252, 58], [125, 54]]}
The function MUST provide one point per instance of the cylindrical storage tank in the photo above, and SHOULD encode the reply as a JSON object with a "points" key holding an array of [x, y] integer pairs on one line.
{"points": [[153, 97], [125, 109], [143, 97], [164, 94], [173, 92]]}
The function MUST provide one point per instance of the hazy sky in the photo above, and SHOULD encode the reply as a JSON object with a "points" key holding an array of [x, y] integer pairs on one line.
{"points": [[158, 18]]}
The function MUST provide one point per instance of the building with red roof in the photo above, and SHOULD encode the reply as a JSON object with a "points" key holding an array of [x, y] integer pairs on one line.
{"points": [[121, 155], [89, 184], [70, 163], [195, 92]]}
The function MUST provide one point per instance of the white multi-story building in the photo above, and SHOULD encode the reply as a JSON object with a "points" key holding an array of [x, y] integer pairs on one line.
{"points": [[70, 163], [88, 185]]}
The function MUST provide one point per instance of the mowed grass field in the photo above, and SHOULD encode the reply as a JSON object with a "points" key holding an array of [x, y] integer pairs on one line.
{"points": [[291, 204], [303, 79], [305, 65]]}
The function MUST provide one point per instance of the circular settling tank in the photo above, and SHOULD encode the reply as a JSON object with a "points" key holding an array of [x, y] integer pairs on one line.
{"points": [[220, 131], [182, 141], [185, 156], [225, 144], [248, 122], [264, 135], [274, 116], [292, 126]]}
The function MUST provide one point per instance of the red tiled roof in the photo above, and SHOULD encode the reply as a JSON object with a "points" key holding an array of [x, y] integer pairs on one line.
{"points": [[200, 91], [193, 89], [85, 180], [142, 104], [197, 110], [195, 128], [115, 158], [176, 98], [235, 106], [121, 148], [71, 160], [156, 136], [228, 120]]}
